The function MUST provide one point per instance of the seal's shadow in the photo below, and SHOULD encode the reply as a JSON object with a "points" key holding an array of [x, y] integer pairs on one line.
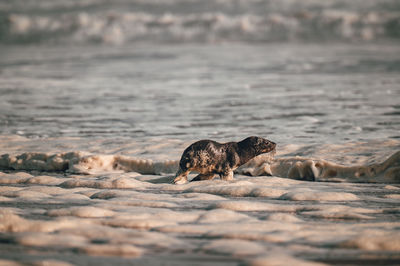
{"points": [[169, 179], [162, 180]]}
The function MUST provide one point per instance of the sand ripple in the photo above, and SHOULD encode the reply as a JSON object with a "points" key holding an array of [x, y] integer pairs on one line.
{"points": [[254, 220]]}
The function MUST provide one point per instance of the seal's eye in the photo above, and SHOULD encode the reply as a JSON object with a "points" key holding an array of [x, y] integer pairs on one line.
{"points": [[268, 146]]}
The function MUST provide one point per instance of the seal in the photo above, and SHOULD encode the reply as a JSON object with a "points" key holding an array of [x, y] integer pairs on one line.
{"points": [[208, 158]]}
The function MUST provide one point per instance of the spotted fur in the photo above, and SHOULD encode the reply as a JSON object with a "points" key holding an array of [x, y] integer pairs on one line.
{"points": [[208, 158]]}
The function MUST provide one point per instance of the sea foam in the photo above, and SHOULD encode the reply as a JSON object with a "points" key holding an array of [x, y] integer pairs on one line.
{"points": [[299, 168]]}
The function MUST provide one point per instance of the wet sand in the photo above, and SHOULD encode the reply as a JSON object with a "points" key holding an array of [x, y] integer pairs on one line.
{"points": [[134, 219]]}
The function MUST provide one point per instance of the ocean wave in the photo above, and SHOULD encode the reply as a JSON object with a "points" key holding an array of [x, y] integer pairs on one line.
{"points": [[298, 168], [121, 27]]}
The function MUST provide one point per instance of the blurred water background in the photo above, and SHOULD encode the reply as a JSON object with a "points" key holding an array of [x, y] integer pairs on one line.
{"points": [[311, 72]]}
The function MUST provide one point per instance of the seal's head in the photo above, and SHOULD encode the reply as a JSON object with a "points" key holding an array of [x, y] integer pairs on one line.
{"points": [[260, 145]]}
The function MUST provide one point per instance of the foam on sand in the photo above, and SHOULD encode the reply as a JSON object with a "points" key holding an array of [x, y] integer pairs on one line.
{"points": [[46, 240], [252, 206], [109, 208], [348, 162], [234, 247], [221, 215], [320, 170], [103, 182], [86, 212], [120, 250], [308, 194], [10, 222], [280, 259], [374, 241], [211, 218], [38, 262], [238, 189], [300, 168], [81, 162]]}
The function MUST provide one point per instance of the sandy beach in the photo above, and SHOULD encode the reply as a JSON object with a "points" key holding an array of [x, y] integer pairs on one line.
{"points": [[92, 213]]}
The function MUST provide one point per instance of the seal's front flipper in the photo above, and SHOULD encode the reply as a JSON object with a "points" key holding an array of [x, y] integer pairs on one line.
{"points": [[180, 180], [227, 176], [181, 177]]}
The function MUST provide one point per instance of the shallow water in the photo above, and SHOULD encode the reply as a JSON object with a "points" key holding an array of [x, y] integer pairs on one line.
{"points": [[291, 93]]}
